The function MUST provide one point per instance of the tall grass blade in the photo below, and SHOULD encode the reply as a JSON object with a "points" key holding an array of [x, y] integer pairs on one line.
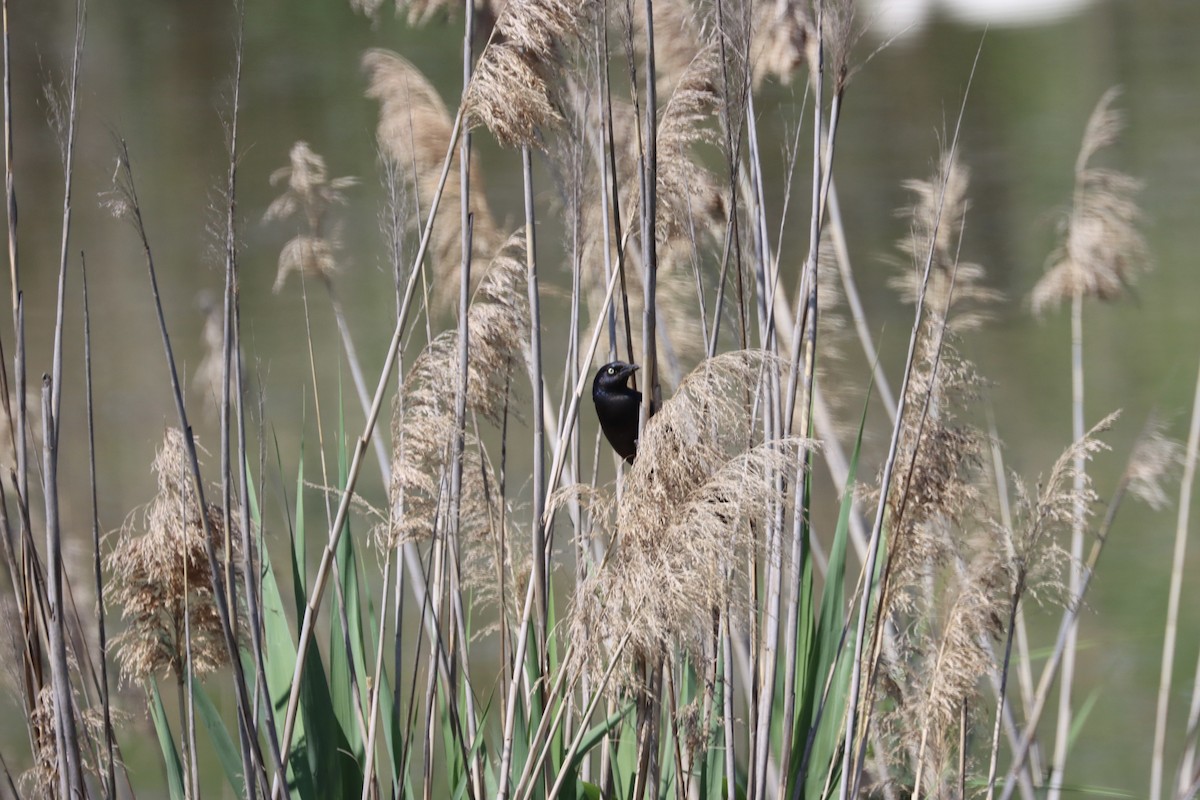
{"points": [[223, 744], [166, 741], [345, 665], [815, 744], [280, 658]]}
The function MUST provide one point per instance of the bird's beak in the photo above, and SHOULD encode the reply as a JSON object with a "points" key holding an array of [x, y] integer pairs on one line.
{"points": [[632, 368]]}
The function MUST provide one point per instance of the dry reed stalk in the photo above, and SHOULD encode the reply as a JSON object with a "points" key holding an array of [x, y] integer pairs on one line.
{"points": [[123, 203], [935, 504], [851, 758], [691, 210], [1101, 254], [109, 781], [231, 385], [1155, 456], [1169, 638], [1143, 472], [834, 35], [327, 556], [64, 121]]}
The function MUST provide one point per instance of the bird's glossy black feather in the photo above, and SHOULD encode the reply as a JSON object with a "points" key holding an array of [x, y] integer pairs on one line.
{"points": [[617, 407]]}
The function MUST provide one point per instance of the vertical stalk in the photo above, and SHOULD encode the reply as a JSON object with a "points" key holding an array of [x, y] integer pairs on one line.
{"points": [[649, 206], [308, 623], [460, 396], [110, 779], [1014, 601], [249, 730], [67, 744], [19, 442], [1172, 627], [249, 759], [1062, 733], [540, 555], [10, 189]]}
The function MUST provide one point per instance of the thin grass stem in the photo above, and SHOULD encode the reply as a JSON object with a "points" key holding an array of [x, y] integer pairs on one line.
{"points": [[1070, 617], [1173, 598]]}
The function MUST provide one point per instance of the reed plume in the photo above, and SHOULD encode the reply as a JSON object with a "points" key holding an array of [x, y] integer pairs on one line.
{"points": [[1041, 515], [423, 425], [680, 32], [211, 371], [309, 195], [1154, 459], [161, 579], [784, 40], [690, 201], [513, 91], [41, 777], [686, 522], [937, 217], [1102, 251], [414, 127]]}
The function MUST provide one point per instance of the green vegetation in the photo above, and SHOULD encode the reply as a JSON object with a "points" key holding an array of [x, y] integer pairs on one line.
{"points": [[517, 613]]}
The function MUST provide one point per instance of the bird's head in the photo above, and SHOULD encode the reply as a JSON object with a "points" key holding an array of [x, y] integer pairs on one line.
{"points": [[613, 376]]}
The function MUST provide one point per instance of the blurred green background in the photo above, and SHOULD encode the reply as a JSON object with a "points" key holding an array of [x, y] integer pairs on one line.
{"points": [[158, 74]]}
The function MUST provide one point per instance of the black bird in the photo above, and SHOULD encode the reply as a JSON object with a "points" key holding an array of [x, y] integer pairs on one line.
{"points": [[617, 407]]}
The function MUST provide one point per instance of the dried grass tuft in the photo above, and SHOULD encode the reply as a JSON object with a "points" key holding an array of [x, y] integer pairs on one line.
{"points": [[1103, 251], [680, 32], [309, 195], [690, 200], [513, 90], [414, 127], [784, 40], [1041, 517], [41, 778], [686, 521], [951, 653], [935, 489], [161, 579], [423, 426], [937, 215], [841, 32], [1154, 459], [510, 96]]}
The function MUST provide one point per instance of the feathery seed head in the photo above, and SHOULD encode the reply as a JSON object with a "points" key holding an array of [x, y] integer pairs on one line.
{"points": [[161, 576], [423, 425], [686, 520], [512, 91], [1103, 250], [784, 35], [414, 127], [309, 195], [937, 215], [1154, 458]]}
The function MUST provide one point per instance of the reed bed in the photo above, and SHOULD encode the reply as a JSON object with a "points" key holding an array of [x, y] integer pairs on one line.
{"points": [[685, 626]]}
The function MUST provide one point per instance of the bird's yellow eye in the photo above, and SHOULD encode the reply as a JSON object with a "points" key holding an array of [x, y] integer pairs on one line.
{"points": [[612, 371]]}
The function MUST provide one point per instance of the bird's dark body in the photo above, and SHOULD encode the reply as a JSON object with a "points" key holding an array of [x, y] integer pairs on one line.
{"points": [[618, 407]]}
